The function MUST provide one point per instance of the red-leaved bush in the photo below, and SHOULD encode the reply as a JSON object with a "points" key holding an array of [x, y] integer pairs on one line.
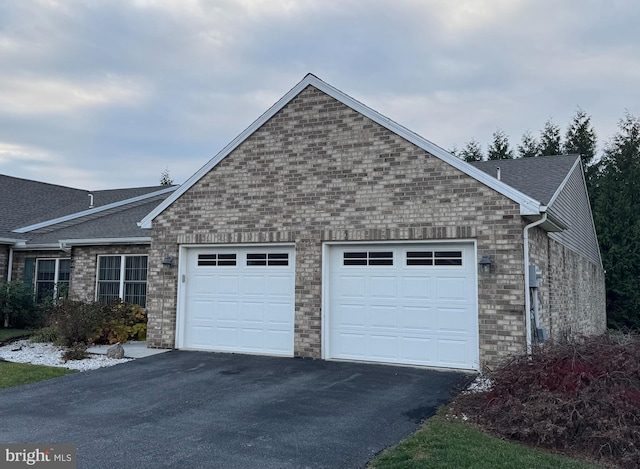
{"points": [[581, 398]]}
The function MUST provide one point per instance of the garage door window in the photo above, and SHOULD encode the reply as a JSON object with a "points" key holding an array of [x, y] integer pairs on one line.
{"points": [[448, 258], [368, 258], [207, 260], [264, 259]]}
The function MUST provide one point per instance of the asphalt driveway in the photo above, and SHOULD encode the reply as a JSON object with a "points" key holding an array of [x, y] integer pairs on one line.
{"points": [[208, 410]]}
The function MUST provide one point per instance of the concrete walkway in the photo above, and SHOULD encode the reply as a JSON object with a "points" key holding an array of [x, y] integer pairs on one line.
{"points": [[131, 350]]}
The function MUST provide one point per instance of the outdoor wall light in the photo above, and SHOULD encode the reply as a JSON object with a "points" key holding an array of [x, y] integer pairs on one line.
{"points": [[485, 264], [167, 262]]}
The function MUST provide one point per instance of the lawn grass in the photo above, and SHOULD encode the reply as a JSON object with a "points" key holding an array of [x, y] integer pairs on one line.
{"points": [[16, 374], [443, 444], [6, 334]]}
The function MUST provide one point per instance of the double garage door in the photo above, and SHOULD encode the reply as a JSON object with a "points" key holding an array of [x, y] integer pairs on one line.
{"points": [[403, 303]]}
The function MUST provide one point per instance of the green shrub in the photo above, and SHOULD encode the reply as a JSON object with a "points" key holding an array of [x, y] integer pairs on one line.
{"points": [[46, 334], [18, 307], [124, 321]]}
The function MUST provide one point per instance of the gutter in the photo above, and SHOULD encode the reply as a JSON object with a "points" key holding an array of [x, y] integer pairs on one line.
{"points": [[527, 297], [10, 264], [67, 243]]}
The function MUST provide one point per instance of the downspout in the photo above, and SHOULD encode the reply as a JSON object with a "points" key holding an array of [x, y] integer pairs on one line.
{"points": [[65, 248], [10, 264], [527, 297]]}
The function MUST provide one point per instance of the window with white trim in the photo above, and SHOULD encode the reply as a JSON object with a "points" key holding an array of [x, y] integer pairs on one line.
{"points": [[122, 276], [52, 278]]}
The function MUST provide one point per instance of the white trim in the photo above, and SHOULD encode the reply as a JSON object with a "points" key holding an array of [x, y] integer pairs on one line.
{"points": [[325, 287], [38, 247], [91, 211], [12, 241], [56, 273], [528, 206]]}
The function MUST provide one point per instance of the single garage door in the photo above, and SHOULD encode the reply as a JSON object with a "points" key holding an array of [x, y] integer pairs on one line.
{"points": [[413, 304], [238, 299]]}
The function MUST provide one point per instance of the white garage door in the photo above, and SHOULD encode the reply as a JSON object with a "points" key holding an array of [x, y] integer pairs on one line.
{"points": [[409, 304], [238, 299]]}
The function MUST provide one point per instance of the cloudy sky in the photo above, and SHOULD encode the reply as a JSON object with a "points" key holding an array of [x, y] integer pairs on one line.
{"points": [[103, 94]]}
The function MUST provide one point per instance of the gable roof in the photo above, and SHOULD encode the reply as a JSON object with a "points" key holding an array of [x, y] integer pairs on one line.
{"points": [[528, 205], [540, 177]]}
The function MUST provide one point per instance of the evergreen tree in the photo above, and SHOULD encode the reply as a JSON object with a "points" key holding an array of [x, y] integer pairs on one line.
{"points": [[499, 148], [550, 139], [165, 178], [529, 146], [617, 217], [454, 151], [472, 151], [581, 138]]}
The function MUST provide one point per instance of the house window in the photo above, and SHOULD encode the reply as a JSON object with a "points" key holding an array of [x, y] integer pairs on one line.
{"points": [[122, 277], [52, 278]]}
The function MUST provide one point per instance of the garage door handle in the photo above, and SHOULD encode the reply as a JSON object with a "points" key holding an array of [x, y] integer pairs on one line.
{"points": [[184, 278]]}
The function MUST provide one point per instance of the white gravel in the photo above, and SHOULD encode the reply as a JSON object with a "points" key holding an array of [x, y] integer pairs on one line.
{"points": [[23, 351], [480, 384]]}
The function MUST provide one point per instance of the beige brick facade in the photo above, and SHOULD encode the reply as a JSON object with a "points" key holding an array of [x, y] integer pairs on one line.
{"points": [[318, 171]]}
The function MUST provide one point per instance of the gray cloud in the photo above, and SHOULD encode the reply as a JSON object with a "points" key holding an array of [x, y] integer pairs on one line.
{"points": [[108, 94]]}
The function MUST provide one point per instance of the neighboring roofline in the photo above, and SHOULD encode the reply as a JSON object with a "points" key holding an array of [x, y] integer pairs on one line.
{"points": [[528, 205], [104, 241], [91, 211]]}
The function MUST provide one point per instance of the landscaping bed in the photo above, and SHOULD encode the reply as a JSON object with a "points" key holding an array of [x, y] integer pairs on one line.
{"points": [[580, 398]]}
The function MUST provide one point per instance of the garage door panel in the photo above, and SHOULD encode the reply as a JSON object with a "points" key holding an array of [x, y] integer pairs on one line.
{"points": [[278, 314], [254, 285], [351, 315], [417, 318], [279, 286], [383, 316], [245, 308], [383, 347], [452, 321], [350, 286], [419, 309], [202, 284], [450, 288], [382, 287], [226, 285], [416, 287], [417, 350], [452, 352]]}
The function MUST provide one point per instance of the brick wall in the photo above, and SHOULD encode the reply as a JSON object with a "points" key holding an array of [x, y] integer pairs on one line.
{"points": [[572, 293], [318, 171], [84, 266]]}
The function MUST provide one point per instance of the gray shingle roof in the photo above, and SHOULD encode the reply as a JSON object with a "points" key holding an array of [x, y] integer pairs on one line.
{"points": [[25, 202], [536, 177]]}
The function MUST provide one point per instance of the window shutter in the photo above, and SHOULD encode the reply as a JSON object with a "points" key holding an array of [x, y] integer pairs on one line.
{"points": [[29, 270]]}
